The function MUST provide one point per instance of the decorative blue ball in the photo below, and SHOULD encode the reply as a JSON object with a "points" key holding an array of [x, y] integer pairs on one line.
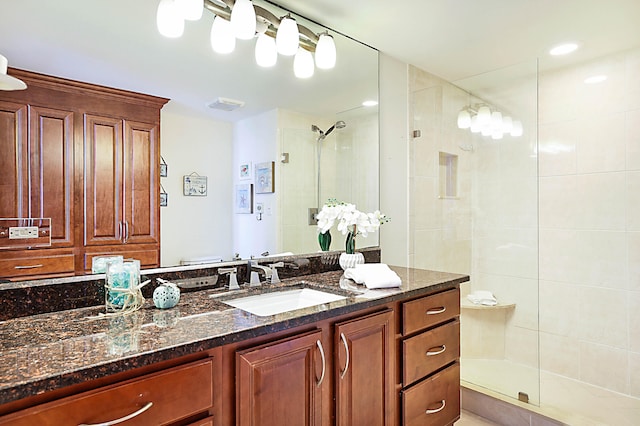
{"points": [[166, 296]]}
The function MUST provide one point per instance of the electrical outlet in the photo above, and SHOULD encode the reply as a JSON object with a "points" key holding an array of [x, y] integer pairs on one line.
{"points": [[23, 232], [197, 282], [259, 208]]}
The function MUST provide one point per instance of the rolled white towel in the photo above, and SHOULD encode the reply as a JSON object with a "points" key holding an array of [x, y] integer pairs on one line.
{"points": [[374, 275], [482, 297]]}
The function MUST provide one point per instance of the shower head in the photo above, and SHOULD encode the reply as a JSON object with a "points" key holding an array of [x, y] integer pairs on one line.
{"points": [[338, 125]]}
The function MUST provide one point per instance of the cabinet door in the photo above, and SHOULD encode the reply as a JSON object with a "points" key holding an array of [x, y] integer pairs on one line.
{"points": [[280, 383], [51, 171], [141, 183], [103, 223], [14, 160], [364, 371]]}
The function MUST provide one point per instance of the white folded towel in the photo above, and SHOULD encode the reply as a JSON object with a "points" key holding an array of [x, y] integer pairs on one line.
{"points": [[374, 275], [482, 297]]}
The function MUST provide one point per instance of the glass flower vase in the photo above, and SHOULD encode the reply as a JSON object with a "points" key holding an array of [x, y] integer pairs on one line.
{"points": [[324, 239]]}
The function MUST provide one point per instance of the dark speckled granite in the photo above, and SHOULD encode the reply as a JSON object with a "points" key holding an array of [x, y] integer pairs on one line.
{"points": [[49, 351], [26, 298]]}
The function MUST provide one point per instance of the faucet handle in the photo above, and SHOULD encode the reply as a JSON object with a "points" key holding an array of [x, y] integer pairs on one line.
{"points": [[233, 279], [275, 279]]}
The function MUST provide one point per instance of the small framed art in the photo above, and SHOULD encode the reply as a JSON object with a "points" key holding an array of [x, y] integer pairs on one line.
{"points": [[244, 198], [265, 177]]}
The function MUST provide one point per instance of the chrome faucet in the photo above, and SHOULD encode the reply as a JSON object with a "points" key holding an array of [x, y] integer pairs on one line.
{"points": [[270, 273]]}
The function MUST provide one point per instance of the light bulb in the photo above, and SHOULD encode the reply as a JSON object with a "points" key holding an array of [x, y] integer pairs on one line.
{"points": [[287, 37], [507, 124], [222, 39], [266, 51], [243, 20], [325, 52], [517, 129], [303, 64], [464, 119], [484, 116], [169, 19], [496, 121], [475, 128], [191, 10]]}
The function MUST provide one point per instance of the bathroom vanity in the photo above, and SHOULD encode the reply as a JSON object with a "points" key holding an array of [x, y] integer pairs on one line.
{"points": [[378, 357]]}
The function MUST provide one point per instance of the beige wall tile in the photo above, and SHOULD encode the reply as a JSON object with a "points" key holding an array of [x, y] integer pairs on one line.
{"points": [[603, 317], [604, 366], [634, 320], [559, 308], [634, 374], [633, 247], [632, 85], [601, 144], [632, 137], [633, 200], [521, 347], [557, 148], [560, 355]]}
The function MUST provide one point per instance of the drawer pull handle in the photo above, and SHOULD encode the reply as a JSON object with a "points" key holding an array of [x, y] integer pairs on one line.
{"points": [[122, 419], [436, 311], [438, 352], [437, 410], [323, 362], [346, 348], [28, 266]]}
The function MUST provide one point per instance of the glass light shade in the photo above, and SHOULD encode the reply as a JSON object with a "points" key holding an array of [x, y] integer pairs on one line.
{"points": [[191, 10], [517, 129], [475, 128], [169, 19], [287, 37], [486, 131], [325, 52], [507, 124], [464, 119], [243, 19], [496, 120], [496, 135], [266, 51], [222, 38], [303, 64], [484, 116]]}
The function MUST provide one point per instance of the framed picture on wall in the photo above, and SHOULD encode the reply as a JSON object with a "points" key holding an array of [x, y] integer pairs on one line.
{"points": [[265, 177], [245, 171], [243, 198]]}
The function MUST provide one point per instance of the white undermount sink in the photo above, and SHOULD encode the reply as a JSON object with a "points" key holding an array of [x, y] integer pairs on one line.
{"points": [[266, 304]]}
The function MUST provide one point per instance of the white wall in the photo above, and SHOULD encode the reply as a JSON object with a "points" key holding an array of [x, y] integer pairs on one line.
{"points": [[394, 156], [255, 140], [195, 226]]}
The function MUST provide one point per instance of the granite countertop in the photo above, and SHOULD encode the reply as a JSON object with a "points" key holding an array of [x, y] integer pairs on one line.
{"points": [[49, 351]]}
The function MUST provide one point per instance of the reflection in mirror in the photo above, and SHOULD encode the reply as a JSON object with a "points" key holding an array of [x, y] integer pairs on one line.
{"points": [[277, 119]]}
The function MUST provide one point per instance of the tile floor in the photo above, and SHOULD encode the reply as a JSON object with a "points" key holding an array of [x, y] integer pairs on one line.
{"points": [[470, 419]]}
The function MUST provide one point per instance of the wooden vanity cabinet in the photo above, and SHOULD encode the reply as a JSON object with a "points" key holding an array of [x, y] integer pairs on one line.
{"points": [[182, 395], [431, 360], [85, 156], [365, 361], [281, 383]]}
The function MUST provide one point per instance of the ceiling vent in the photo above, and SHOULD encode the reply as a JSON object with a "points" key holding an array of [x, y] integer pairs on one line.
{"points": [[225, 104]]}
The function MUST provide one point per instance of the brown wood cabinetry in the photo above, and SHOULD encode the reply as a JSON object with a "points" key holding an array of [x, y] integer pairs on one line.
{"points": [[85, 156], [281, 383], [161, 398], [430, 360], [364, 370]]}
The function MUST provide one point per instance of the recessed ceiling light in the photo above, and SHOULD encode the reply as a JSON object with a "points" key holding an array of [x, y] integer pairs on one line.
{"points": [[563, 49], [370, 103], [595, 79]]}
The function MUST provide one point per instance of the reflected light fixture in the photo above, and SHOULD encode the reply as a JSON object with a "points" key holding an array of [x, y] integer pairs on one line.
{"points": [[595, 79], [169, 19], [288, 37], [369, 103], [303, 64], [488, 121], [246, 20], [243, 20], [8, 82]]}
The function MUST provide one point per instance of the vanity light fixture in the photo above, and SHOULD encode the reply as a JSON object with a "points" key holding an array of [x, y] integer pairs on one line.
{"points": [[8, 82], [488, 121], [245, 20]]}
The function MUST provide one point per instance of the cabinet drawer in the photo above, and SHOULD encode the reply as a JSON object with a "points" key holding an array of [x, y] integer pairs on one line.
{"points": [[167, 395], [431, 310], [436, 401], [37, 265], [426, 352]]}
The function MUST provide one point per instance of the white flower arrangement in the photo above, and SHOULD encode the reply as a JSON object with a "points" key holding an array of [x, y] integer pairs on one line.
{"points": [[350, 221]]}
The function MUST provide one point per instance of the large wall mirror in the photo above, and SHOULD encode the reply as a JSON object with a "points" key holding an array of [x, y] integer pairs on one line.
{"points": [[117, 44]]}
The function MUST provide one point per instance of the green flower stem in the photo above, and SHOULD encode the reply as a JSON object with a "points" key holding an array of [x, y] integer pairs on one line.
{"points": [[350, 244], [324, 240]]}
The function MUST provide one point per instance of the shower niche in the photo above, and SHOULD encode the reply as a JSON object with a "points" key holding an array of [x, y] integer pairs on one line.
{"points": [[448, 175]]}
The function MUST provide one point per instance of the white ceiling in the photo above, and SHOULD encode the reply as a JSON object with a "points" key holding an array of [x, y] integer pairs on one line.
{"points": [[115, 43]]}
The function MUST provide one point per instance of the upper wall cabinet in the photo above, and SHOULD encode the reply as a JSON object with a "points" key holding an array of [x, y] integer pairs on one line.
{"points": [[85, 156]]}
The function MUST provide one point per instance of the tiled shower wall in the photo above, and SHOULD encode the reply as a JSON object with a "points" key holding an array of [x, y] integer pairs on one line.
{"points": [[589, 156]]}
